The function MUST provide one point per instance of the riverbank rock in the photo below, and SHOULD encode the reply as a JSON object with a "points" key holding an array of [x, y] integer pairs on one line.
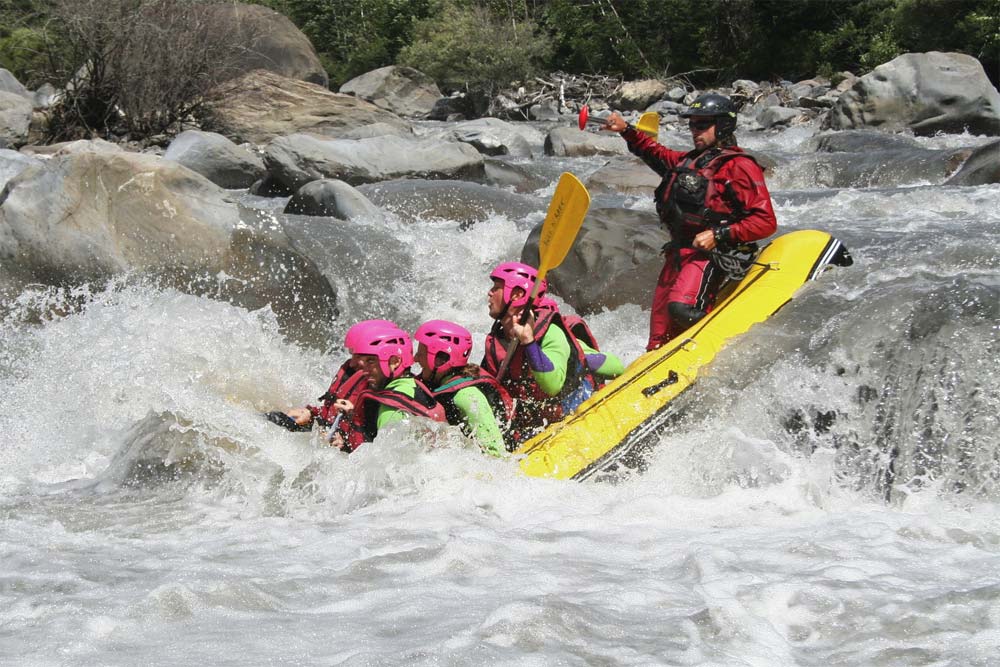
{"points": [[15, 119], [401, 90], [216, 158], [923, 92], [262, 105], [614, 261], [272, 42], [295, 160]]}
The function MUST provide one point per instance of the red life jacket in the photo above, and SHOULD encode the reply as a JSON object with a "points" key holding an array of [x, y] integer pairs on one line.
{"points": [[534, 408], [684, 199], [363, 426], [348, 384], [499, 399]]}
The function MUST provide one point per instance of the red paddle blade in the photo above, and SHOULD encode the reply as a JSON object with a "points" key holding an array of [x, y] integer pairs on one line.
{"points": [[584, 116]]}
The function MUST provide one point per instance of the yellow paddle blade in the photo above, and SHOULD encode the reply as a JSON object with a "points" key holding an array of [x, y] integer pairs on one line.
{"points": [[649, 123], [567, 210]]}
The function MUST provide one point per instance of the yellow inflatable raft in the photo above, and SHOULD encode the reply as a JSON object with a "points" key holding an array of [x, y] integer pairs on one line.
{"points": [[614, 423]]}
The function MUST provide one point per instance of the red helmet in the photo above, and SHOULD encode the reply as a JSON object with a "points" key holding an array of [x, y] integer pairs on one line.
{"points": [[448, 338], [516, 274], [384, 340]]}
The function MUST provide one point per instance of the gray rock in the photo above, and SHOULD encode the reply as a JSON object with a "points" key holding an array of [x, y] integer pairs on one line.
{"points": [[625, 175], [401, 90], [89, 214], [981, 168], [13, 163], [492, 136], [15, 119], [676, 94], [332, 198], [261, 106], [924, 92], [511, 174], [299, 158], [10, 84], [377, 130], [277, 45], [545, 111], [216, 158], [614, 261], [571, 142], [637, 95], [774, 116], [45, 96]]}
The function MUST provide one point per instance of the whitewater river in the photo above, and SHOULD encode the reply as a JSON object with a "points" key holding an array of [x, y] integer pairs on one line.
{"points": [[829, 496]]}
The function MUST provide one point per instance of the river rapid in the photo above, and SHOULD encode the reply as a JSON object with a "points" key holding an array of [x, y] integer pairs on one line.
{"points": [[829, 495]]}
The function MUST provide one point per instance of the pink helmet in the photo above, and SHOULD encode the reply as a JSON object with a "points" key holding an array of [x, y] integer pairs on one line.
{"points": [[356, 332], [516, 274], [441, 336], [384, 340]]}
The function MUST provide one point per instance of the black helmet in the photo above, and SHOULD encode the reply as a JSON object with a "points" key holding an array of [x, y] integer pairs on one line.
{"points": [[715, 106]]}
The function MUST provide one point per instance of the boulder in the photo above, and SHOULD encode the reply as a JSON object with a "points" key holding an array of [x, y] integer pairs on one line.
{"points": [[299, 158], [272, 42], [626, 175], [775, 116], [572, 142], [492, 136], [90, 214], [401, 90], [10, 84], [923, 92], [981, 168], [638, 95], [615, 260], [216, 158], [261, 105], [329, 197], [15, 119]]}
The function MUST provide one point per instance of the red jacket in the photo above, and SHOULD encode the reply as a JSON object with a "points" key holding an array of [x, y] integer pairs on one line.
{"points": [[739, 176]]}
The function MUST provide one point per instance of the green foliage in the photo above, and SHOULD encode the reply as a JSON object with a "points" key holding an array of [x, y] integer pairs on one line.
{"points": [[22, 39], [469, 48]]}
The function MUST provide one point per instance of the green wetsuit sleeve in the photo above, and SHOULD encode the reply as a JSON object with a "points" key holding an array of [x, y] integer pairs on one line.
{"points": [[556, 347], [482, 423], [387, 415], [612, 366]]}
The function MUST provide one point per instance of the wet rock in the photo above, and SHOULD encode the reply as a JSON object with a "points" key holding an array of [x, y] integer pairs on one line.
{"points": [[982, 167], [614, 261], [333, 198]]}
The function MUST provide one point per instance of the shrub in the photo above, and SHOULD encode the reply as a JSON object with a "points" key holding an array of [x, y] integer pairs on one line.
{"points": [[468, 48], [138, 67]]}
